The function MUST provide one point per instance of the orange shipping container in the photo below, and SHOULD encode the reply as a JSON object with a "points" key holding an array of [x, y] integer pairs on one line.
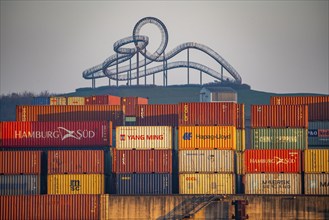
{"points": [[75, 161], [60, 100], [279, 116], [157, 115], [129, 104], [207, 113], [297, 100], [103, 100], [240, 124], [20, 162], [70, 113], [206, 137], [41, 207]]}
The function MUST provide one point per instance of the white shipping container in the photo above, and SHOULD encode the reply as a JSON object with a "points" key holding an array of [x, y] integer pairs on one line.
{"points": [[316, 183], [210, 161], [273, 183], [207, 183], [143, 137]]}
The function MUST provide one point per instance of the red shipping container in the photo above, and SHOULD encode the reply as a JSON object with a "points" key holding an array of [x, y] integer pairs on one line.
{"points": [[273, 161], [297, 100], [142, 161], [76, 161], [129, 104], [318, 111], [20, 162], [50, 134], [279, 116], [103, 100], [41, 207], [71, 113], [207, 113], [157, 115]]}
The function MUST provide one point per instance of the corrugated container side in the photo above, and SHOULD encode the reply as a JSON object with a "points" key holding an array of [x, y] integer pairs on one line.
{"points": [[210, 161], [318, 111], [279, 138], [207, 113], [279, 116], [240, 124], [76, 184], [143, 137], [129, 104], [239, 163], [19, 184], [41, 207], [316, 161], [142, 161], [20, 162], [273, 161], [316, 183], [75, 100], [206, 137], [270, 183], [143, 184], [318, 133], [297, 100], [40, 134], [59, 100], [40, 101], [104, 207], [70, 113], [157, 115], [76, 161], [103, 100], [240, 139], [215, 183]]}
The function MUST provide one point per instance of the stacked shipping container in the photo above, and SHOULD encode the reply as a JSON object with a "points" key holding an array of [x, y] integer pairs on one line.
{"points": [[278, 136], [76, 172], [20, 172], [142, 160], [206, 144]]}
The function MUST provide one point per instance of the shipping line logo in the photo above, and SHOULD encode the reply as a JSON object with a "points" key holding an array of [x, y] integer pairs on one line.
{"points": [[318, 133], [60, 132], [142, 137], [187, 136], [274, 160]]}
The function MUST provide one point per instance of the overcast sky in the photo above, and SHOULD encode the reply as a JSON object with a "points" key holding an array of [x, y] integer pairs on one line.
{"points": [[276, 46]]}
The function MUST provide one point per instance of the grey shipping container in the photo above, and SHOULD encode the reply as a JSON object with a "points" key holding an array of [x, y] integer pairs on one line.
{"points": [[143, 184], [316, 183], [19, 184]]}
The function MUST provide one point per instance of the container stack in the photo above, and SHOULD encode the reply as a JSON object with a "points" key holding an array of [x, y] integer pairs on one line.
{"points": [[206, 144], [278, 137], [20, 172], [318, 117], [316, 171], [76, 172], [142, 160]]}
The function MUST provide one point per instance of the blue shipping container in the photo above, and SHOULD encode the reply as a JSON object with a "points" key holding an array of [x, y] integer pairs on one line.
{"points": [[19, 184], [143, 184], [41, 101], [318, 133]]}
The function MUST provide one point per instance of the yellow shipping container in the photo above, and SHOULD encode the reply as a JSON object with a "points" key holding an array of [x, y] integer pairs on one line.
{"points": [[206, 137], [216, 183], [143, 137], [60, 100], [76, 100], [76, 184], [316, 161], [240, 139]]}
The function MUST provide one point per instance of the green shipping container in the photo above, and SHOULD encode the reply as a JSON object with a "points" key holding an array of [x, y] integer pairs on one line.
{"points": [[279, 138]]}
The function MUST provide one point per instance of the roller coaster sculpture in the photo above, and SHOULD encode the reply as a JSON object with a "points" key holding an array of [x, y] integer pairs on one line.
{"points": [[110, 67]]}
